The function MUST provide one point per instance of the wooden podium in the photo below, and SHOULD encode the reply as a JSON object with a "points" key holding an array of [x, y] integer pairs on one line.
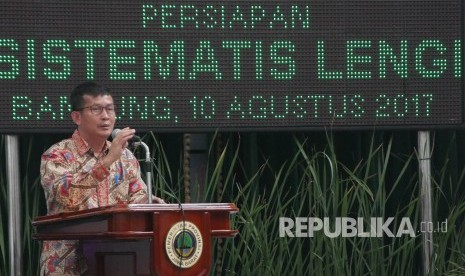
{"points": [[143, 239]]}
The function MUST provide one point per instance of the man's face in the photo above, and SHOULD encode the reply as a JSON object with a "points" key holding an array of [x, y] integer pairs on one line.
{"points": [[92, 125]]}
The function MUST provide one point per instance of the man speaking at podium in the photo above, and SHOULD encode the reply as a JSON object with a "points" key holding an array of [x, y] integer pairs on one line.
{"points": [[87, 171]]}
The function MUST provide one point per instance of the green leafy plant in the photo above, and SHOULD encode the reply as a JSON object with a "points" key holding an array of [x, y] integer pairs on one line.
{"points": [[316, 184], [32, 203]]}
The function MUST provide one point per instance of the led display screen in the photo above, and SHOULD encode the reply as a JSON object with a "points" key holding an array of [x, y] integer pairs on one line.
{"points": [[179, 66]]}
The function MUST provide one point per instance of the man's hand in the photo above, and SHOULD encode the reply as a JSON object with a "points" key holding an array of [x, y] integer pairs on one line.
{"points": [[157, 200], [119, 143]]}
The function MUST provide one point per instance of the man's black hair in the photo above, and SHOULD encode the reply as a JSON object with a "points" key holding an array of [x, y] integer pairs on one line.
{"points": [[90, 88]]}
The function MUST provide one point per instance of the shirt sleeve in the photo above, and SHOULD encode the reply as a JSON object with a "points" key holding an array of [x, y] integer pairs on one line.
{"points": [[137, 187], [68, 185]]}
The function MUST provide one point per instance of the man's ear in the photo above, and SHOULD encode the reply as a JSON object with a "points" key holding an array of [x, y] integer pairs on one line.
{"points": [[76, 116]]}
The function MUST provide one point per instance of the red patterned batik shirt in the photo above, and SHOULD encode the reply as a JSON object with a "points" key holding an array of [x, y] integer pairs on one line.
{"points": [[74, 179]]}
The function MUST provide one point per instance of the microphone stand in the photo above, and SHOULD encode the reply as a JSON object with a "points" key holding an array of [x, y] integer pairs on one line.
{"points": [[148, 168]]}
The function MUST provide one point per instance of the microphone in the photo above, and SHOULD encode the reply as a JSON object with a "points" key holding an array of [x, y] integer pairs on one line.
{"points": [[134, 142], [131, 141]]}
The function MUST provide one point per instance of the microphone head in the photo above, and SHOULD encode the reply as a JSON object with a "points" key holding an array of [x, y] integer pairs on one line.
{"points": [[115, 132]]}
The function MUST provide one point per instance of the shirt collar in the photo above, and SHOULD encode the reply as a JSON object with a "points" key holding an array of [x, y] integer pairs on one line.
{"points": [[84, 147]]}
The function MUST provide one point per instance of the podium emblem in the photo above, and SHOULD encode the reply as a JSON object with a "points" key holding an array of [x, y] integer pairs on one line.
{"points": [[184, 244]]}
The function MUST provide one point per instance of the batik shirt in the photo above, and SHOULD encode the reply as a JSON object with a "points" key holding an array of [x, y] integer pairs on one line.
{"points": [[74, 179]]}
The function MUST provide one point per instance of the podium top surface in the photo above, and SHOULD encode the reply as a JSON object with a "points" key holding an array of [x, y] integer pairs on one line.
{"points": [[138, 208]]}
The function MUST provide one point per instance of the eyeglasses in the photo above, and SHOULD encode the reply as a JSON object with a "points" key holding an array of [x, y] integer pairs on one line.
{"points": [[98, 109]]}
